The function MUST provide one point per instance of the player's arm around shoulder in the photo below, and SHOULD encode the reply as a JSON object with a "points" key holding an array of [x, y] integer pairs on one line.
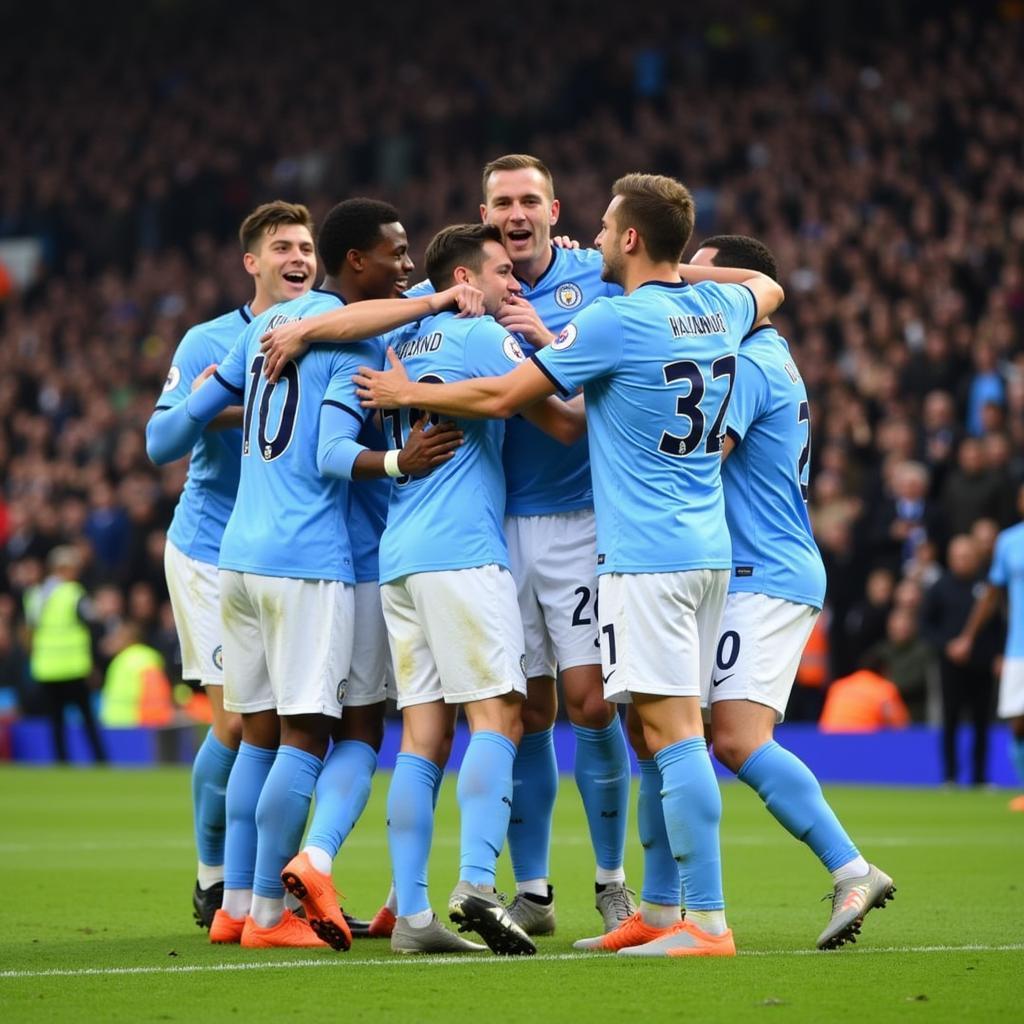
{"points": [[767, 294], [490, 396]]}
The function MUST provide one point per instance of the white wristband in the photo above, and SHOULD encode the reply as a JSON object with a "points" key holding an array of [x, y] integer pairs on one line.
{"points": [[391, 463]]}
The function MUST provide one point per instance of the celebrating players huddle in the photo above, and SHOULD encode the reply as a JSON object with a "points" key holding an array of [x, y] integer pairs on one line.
{"points": [[393, 535]]}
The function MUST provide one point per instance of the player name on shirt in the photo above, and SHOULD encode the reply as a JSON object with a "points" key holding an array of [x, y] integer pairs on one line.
{"points": [[694, 324], [418, 346]]}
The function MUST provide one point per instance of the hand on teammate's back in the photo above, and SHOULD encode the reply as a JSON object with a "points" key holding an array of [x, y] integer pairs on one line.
{"points": [[428, 447], [518, 316], [382, 389]]}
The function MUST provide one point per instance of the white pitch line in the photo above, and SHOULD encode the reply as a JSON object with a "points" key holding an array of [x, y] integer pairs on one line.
{"points": [[424, 961]]}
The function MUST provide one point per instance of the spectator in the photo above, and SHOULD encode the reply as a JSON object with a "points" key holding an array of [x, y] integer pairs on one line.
{"points": [[966, 685], [59, 614], [905, 658], [863, 702]]}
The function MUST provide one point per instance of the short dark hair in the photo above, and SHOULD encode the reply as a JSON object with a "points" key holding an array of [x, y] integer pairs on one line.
{"points": [[266, 219], [352, 224], [743, 252], [517, 162], [661, 211], [459, 245]]}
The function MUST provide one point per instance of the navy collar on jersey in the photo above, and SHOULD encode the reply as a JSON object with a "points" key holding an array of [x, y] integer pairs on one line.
{"points": [[328, 291], [245, 313], [758, 330], [555, 250], [663, 284]]}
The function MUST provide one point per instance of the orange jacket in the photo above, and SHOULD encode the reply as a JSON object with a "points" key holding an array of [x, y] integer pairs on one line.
{"points": [[863, 702]]}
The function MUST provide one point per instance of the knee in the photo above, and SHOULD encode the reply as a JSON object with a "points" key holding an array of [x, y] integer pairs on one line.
{"points": [[731, 748], [228, 730], [590, 710], [536, 717]]}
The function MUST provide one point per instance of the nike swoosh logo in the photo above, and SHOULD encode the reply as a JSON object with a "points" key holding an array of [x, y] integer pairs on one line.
{"points": [[715, 682], [607, 677]]}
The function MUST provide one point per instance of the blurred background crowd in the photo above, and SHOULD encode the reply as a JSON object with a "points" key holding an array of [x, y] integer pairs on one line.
{"points": [[877, 148]]}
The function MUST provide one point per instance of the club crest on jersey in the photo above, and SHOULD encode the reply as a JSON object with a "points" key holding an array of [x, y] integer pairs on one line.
{"points": [[218, 657], [565, 339], [342, 686], [568, 295], [511, 348], [173, 379]]}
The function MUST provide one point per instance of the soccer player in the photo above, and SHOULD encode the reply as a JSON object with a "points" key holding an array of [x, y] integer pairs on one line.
{"points": [[278, 253], [286, 585], [376, 266], [776, 590], [1005, 581], [657, 367], [453, 621]]}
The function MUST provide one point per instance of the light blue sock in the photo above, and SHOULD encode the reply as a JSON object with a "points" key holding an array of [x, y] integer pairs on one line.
{"points": [[602, 775], [250, 770], [281, 816], [692, 805], [342, 790], [534, 788], [1017, 755], [485, 801], [793, 796], [661, 872], [411, 798], [210, 772]]}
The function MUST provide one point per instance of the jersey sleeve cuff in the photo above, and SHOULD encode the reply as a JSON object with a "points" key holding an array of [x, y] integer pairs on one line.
{"points": [[228, 386], [559, 386], [734, 434], [345, 408], [753, 301]]}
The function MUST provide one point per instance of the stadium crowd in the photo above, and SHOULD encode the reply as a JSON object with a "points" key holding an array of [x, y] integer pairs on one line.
{"points": [[887, 178]]}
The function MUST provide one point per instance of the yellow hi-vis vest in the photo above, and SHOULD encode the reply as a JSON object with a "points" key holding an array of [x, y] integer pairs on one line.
{"points": [[136, 691], [61, 644]]}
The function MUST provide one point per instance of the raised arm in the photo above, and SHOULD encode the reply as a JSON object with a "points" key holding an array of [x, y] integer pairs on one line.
{"points": [[359, 320]]}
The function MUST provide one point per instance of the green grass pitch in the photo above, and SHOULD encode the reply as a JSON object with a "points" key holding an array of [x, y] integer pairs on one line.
{"points": [[96, 920]]}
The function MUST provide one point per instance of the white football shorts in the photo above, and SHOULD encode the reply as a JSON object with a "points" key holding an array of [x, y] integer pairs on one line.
{"points": [[760, 643], [553, 560], [195, 601], [455, 635], [287, 643], [1011, 689], [659, 631], [370, 679]]}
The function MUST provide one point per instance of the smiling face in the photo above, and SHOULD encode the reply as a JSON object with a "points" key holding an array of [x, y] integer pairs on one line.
{"points": [[384, 268], [283, 264], [521, 205]]}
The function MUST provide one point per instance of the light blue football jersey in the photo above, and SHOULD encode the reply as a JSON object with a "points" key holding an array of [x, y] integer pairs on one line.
{"points": [[1008, 571], [288, 520], [542, 475], [451, 519], [368, 510], [212, 482], [766, 476], [657, 369]]}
